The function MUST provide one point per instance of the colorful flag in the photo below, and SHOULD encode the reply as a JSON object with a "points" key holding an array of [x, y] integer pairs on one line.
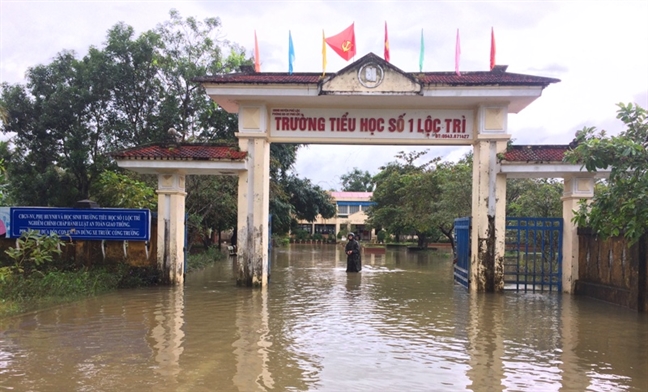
{"points": [[344, 43], [257, 59], [291, 53], [492, 57], [422, 53], [386, 44], [323, 54], [457, 54]]}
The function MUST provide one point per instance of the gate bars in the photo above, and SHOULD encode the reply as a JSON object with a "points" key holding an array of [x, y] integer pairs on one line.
{"points": [[533, 257]]}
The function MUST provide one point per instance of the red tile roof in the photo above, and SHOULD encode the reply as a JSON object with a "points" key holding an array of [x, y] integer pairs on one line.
{"points": [[485, 78], [536, 153], [262, 78], [184, 151]]}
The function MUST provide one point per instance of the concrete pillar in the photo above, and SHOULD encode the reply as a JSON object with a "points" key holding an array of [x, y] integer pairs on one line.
{"points": [[171, 227], [253, 198], [488, 201], [576, 188]]}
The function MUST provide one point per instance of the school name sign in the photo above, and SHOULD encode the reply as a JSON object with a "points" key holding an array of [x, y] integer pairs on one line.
{"points": [[373, 126], [84, 224]]}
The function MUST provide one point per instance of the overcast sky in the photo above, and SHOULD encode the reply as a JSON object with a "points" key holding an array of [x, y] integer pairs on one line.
{"points": [[599, 50]]}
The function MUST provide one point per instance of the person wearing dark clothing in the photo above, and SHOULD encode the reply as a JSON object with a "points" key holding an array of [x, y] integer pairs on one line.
{"points": [[352, 249]]}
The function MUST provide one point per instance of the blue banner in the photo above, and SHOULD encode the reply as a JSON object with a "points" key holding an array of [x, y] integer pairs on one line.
{"points": [[117, 224]]}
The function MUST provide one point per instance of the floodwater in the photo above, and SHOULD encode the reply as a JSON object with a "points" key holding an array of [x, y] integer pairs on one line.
{"points": [[399, 325]]}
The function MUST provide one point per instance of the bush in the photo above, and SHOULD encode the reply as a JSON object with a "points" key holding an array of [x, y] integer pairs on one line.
{"points": [[302, 235], [201, 260], [280, 240], [32, 251], [318, 237], [382, 234]]}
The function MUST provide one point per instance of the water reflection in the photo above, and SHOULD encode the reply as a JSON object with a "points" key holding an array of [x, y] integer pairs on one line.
{"points": [[400, 324], [252, 349], [167, 335]]}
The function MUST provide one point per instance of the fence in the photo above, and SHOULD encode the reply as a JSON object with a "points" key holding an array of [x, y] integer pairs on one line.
{"points": [[612, 271]]}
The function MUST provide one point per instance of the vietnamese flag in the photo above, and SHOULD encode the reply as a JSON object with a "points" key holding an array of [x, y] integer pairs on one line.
{"points": [[344, 43], [386, 44]]}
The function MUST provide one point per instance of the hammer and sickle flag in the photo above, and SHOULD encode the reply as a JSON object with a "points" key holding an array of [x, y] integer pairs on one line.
{"points": [[344, 43]]}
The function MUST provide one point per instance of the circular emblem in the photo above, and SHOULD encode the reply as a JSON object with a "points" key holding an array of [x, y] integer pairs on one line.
{"points": [[370, 75]]}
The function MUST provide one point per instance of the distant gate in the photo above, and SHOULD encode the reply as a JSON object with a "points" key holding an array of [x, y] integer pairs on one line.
{"points": [[462, 256], [533, 258]]}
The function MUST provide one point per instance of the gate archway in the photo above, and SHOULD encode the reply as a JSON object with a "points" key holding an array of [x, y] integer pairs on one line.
{"points": [[372, 102]]}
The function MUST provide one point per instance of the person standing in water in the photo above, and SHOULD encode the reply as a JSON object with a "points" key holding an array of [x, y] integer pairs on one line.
{"points": [[352, 249]]}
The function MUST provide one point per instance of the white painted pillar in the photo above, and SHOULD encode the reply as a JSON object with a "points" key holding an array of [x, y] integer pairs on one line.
{"points": [[576, 188], [253, 197], [171, 227], [488, 200]]}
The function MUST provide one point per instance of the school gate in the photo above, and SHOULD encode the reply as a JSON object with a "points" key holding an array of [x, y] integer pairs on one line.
{"points": [[369, 102], [533, 258]]}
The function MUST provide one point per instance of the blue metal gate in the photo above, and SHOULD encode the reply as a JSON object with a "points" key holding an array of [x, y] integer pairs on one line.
{"points": [[533, 258], [462, 257]]}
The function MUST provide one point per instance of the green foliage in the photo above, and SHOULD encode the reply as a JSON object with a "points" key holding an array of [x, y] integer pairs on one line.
{"points": [[4, 184], [75, 110], [23, 293], [357, 181], [201, 260], [621, 208], [123, 191], [297, 198], [211, 204], [421, 199], [318, 237], [32, 251], [381, 235], [539, 198], [280, 240], [301, 235]]}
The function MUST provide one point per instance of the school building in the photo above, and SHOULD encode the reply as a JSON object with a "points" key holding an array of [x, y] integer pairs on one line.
{"points": [[351, 213]]}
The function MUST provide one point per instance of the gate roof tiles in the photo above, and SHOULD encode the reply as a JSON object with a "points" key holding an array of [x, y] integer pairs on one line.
{"points": [[536, 153], [182, 151], [480, 78]]}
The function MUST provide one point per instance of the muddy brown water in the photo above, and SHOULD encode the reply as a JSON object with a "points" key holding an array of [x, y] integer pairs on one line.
{"points": [[399, 325]]}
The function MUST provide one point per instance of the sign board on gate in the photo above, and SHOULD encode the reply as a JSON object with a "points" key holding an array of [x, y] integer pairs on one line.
{"points": [[372, 126], [117, 224]]}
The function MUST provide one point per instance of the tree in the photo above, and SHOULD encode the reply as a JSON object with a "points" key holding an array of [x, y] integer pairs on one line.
{"points": [[455, 197], [534, 198], [357, 181], [393, 208], [622, 207], [422, 199], [72, 112], [123, 191], [59, 139], [211, 206], [298, 199]]}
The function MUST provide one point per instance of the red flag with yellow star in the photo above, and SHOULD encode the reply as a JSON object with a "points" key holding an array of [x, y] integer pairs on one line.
{"points": [[344, 43]]}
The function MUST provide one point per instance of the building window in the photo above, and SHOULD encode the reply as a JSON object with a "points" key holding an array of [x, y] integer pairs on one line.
{"points": [[343, 210], [325, 229], [353, 209]]}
